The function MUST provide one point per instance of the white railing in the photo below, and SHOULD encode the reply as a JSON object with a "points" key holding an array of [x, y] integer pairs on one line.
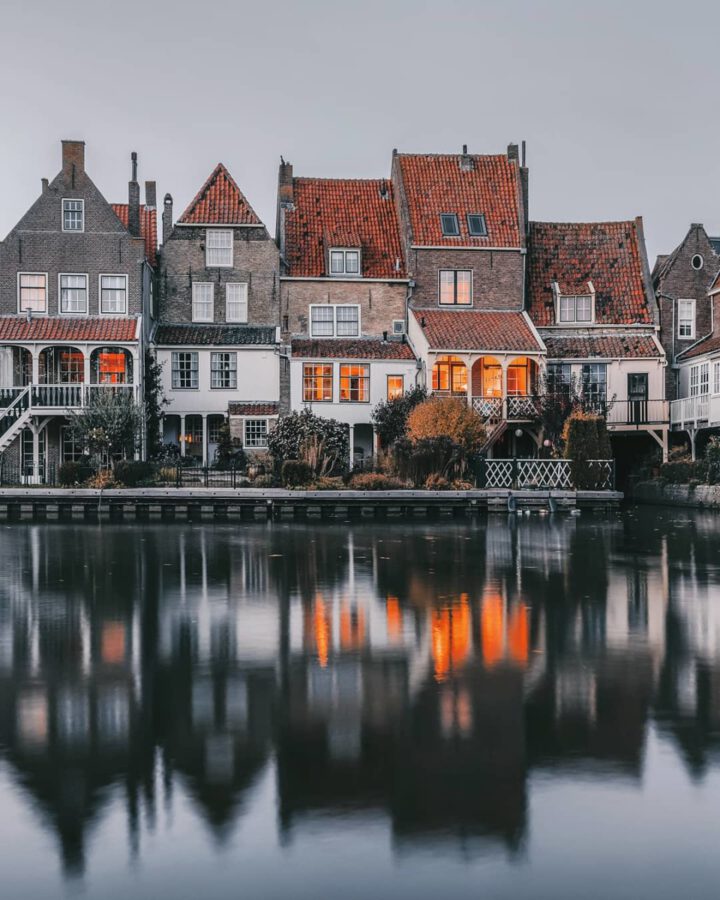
{"points": [[595, 474], [638, 412], [75, 396], [514, 406], [690, 410]]}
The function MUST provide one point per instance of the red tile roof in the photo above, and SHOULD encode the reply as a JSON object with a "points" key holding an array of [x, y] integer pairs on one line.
{"points": [[706, 345], [477, 330], [620, 346], [343, 213], [609, 254], [42, 328], [253, 409], [219, 202], [359, 348], [148, 227], [436, 184]]}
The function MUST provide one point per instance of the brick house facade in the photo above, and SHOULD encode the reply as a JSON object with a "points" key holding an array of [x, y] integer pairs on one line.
{"points": [[76, 279]]}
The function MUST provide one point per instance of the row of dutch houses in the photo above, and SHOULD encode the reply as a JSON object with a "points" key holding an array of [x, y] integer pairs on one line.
{"points": [[434, 276]]}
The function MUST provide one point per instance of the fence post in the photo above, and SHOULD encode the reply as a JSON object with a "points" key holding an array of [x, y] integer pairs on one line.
{"points": [[514, 471], [612, 473]]}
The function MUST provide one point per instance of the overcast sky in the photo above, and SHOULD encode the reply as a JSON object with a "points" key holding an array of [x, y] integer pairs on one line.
{"points": [[617, 100]]}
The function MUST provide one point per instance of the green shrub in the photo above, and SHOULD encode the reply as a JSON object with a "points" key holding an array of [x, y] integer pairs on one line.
{"points": [[415, 461], [585, 438], [390, 416], [295, 433], [71, 473], [263, 481], [374, 481], [712, 460], [327, 484], [295, 472], [683, 471], [132, 472]]}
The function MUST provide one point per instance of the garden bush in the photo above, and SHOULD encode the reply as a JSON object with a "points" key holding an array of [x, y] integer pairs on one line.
{"points": [[390, 416], [585, 438], [295, 472], [447, 417], [683, 471], [374, 481], [132, 472], [712, 460], [415, 461], [71, 473], [437, 482], [295, 435]]}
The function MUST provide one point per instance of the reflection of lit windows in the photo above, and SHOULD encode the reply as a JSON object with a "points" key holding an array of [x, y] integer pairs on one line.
{"points": [[113, 642], [32, 718]]}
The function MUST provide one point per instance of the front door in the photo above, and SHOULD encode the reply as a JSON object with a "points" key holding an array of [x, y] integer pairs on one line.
{"points": [[638, 397]]}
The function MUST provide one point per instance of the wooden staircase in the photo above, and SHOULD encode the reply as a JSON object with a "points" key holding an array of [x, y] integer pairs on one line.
{"points": [[14, 418], [496, 428]]}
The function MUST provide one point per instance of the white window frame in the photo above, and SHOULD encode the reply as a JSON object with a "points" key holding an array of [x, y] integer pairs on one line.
{"points": [[35, 312], [81, 312], [122, 312], [211, 285], [456, 220], [243, 301], [334, 321], [573, 298], [255, 445], [398, 326], [215, 232], [704, 379], [232, 371], [455, 273], [685, 319], [193, 369], [82, 213], [387, 384], [364, 379], [716, 376], [345, 273]]}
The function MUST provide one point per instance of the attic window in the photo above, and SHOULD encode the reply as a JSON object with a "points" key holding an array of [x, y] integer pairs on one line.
{"points": [[697, 262], [576, 309], [450, 225], [476, 225], [344, 262]]}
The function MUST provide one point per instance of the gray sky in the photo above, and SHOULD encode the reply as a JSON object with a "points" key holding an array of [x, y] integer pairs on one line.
{"points": [[617, 100]]}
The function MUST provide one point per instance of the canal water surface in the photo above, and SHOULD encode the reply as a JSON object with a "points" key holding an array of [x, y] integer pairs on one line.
{"points": [[512, 708]]}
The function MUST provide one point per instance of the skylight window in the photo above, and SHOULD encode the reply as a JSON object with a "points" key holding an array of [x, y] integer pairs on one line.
{"points": [[476, 225], [450, 225]]}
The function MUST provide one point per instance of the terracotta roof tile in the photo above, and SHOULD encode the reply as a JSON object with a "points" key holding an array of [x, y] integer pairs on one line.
{"points": [[609, 254], [148, 227], [361, 348], [436, 184], [706, 345], [219, 202], [225, 335], [620, 346], [477, 330], [256, 408], [43, 328], [342, 212]]}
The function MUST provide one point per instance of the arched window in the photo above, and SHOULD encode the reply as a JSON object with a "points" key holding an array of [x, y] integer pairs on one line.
{"points": [[449, 375]]}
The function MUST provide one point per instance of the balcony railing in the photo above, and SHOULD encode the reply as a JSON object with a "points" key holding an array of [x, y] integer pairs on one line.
{"points": [[693, 411], [64, 396], [638, 412]]}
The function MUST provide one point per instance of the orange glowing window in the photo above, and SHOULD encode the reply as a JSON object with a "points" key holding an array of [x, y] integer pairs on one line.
{"points": [[352, 628], [492, 623], [450, 374], [111, 368], [113, 643], [393, 615]]}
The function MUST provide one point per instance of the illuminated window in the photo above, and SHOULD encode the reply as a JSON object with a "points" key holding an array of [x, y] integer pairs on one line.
{"points": [[218, 248], [32, 292], [256, 432], [223, 371], [450, 374], [71, 367], [112, 367], [73, 294], [113, 294], [354, 384], [344, 262], [73, 218], [236, 302], [450, 225], [317, 383], [395, 386], [203, 294], [576, 309], [185, 370], [455, 287]]}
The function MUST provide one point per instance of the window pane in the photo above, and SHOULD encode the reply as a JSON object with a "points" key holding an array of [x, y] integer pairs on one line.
{"points": [[317, 383], [256, 431], [73, 215], [447, 286], [395, 386], [236, 303], [223, 370], [347, 318], [202, 301], [33, 293], [450, 225], [73, 293], [567, 309], [476, 225], [322, 321], [184, 370], [352, 262], [583, 309], [337, 262], [113, 294], [464, 288], [354, 384], [218, 248]]}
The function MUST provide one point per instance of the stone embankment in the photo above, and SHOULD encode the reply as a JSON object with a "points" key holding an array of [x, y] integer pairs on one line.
{"points": [[662, 493]]}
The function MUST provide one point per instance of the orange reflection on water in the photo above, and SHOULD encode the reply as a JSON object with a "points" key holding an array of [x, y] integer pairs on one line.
{"points": [[451, 636], [352, 627], [519, 635], [317, 629], [492, 624], [393, 614], [113, 642]]}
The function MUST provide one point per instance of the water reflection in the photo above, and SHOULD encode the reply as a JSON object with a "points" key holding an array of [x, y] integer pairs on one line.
{"points": [[424, 674]]}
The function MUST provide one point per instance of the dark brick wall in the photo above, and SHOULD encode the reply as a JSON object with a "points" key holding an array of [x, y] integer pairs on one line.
{"points": [[255, 261], [38, 244], [683, 282], [498, 276], [380, 303]]}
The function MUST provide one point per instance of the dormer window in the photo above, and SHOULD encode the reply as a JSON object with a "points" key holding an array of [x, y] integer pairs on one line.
{"points": [[344, 262], [218, 248], [450, 225], [476, 225], [73, 218], [577, 309]]}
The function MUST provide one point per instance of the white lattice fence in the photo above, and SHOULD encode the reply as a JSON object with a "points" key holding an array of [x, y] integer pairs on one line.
{"points": [[545, 473], [499, 473], [595, 474]]}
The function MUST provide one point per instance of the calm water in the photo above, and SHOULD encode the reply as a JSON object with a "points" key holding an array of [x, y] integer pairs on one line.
{"points": [[507, 709]]}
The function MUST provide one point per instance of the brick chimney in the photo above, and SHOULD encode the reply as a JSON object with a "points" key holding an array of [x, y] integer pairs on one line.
{"points": [[150, 194], [73, 160], [512, 153], [285, 183], [167, 217], [134, 199]]}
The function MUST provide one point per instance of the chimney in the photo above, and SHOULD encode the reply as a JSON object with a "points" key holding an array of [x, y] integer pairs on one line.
{"points": [[134, 199], [467, 164], [73, 160], [150, 194], [44, 183], [167, 217], [285, 183], [512, 153]]}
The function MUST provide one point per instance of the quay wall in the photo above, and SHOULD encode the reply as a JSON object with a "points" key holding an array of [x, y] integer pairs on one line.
{"points": [[660, 493]]}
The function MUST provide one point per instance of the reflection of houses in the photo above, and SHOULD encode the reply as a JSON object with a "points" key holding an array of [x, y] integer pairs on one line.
{"points": [[73, 310]]}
